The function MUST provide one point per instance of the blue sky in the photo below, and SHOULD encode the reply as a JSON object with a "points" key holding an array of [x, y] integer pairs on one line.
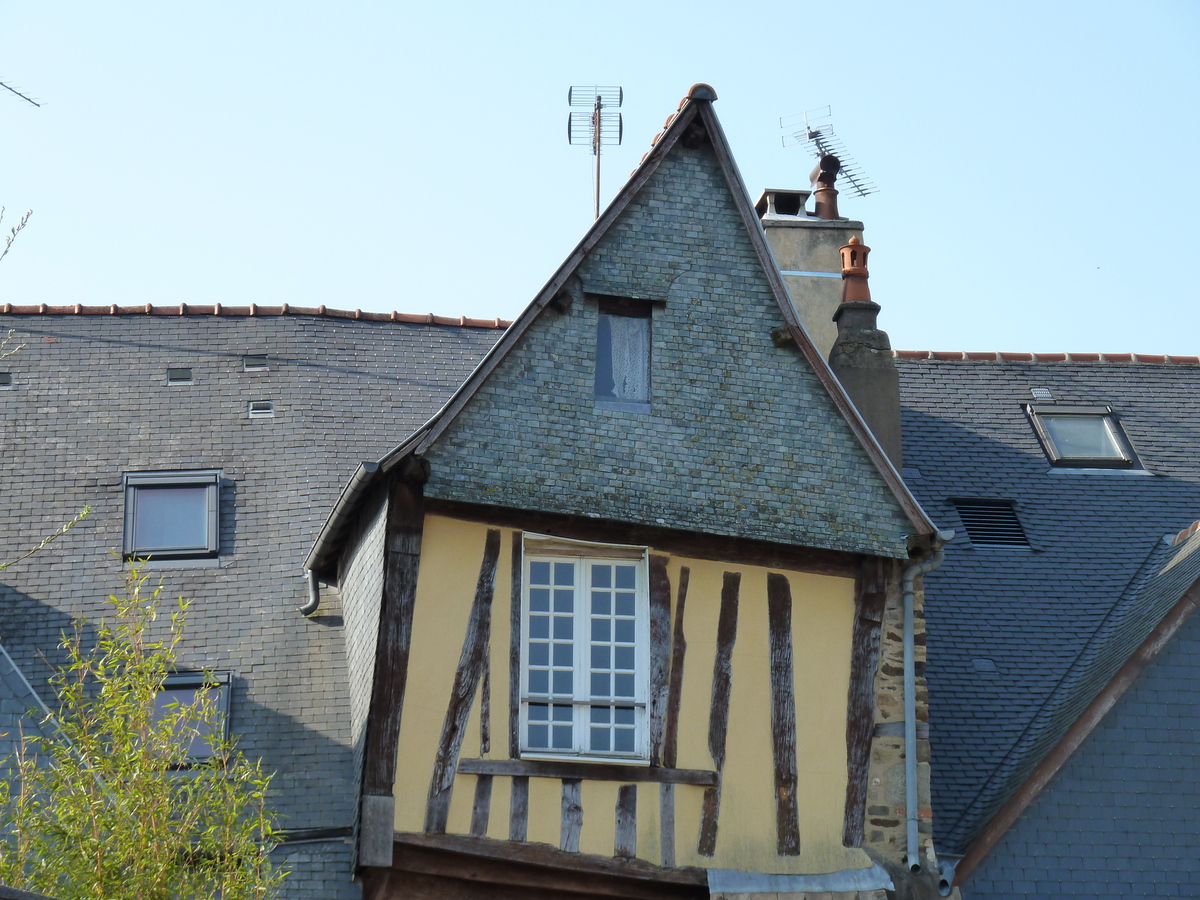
{"points": [[1036, 161]]}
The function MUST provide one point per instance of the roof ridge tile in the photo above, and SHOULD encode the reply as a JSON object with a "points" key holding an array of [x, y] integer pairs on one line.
{"points": [[216, 309], [1003, 356]]}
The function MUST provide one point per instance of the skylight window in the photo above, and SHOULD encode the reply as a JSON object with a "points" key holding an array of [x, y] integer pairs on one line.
{"points": [[1081, 436]]}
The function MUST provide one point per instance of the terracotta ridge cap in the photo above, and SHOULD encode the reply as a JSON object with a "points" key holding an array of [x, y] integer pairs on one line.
{"points": [[198, 310], [1028, 356]]}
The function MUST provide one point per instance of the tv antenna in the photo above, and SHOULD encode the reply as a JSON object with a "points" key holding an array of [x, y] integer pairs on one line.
{"points": [[598, 127], [814, 128], [19, 94]]}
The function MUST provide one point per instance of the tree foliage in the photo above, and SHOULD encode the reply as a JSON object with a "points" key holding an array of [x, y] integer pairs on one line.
{"points": [[107, 803]]}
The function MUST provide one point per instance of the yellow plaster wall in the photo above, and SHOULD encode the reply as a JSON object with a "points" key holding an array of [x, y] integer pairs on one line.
{"points": [[822, 622], [451, 552]]}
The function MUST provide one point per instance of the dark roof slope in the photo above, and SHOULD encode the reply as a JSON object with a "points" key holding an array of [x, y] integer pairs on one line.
{"points": [[1020, 641]]}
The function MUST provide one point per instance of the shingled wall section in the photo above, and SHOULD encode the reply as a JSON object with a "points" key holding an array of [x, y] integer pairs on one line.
{"points": [[90, 401], [741, 439]]}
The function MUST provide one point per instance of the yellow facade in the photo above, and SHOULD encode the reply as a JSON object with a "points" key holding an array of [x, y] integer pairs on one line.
{"points": [[822, 622]]}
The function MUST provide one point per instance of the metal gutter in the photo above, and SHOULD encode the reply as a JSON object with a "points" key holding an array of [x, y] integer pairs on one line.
{"points": [[339, 516]]}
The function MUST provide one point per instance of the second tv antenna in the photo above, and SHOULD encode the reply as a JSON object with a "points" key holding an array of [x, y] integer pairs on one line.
{"points": [[598, 126], [814, 127]]}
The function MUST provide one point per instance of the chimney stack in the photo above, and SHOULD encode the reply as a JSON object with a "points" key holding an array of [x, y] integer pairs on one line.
{"points": [[862, 354], [806, 248]]}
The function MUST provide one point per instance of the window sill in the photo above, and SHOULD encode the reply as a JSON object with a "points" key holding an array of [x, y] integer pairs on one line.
{"points": [[605, 771], [167, 562], [1097, 470], [632, 406]]}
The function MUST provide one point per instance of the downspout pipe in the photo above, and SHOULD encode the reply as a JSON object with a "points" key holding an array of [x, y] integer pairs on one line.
{"points": [[314, 594], [911, 810]]}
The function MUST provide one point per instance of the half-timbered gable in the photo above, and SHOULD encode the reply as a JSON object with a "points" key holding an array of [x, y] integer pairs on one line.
{"points": [[619, 602]]}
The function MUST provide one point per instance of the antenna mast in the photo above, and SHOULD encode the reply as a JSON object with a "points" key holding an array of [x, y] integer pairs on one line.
{"points": [[598, 127]]}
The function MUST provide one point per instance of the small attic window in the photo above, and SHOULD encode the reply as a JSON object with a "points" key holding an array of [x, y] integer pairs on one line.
{"points": [[255, 362], [1081, 436], [992, 523], [179, 376], [6, 380], [623, 355]]}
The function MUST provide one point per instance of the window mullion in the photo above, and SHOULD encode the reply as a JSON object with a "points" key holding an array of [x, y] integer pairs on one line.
{"points": [[583, 638]]}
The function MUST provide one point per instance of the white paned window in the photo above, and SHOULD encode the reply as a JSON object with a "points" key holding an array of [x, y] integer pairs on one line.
{"points": [[585, 654]]}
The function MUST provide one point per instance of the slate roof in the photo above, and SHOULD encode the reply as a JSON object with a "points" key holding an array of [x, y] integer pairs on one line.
{"points": [[681, 233], [89, 400], [1056, 621]]}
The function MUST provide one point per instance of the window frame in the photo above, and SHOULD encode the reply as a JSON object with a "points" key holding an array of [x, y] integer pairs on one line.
{"points": [[1127, 460], [542, 548], [210, 479], [222, 682], [629, 308]]}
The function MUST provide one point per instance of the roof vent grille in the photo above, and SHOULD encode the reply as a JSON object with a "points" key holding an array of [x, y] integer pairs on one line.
{"points": [[991, 523], [6, 379], [255, 362], [261, 409], [1042, 393], [179, 376]]}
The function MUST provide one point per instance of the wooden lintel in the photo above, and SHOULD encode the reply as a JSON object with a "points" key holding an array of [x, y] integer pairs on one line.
{"points": [[561, 769], [696, 545]]}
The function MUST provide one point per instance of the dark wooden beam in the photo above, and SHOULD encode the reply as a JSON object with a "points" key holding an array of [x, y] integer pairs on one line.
{"points": [[625, 842], [1078, 732], [466, 681], [675, 686], [870, 595], [783, 714], [518, 808], [514, 648], [404, 524], [666, 823], [572, 815], [528, 871], [481, 809], [718, 717], [697, 545], [660, 654], [553, 768]]}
